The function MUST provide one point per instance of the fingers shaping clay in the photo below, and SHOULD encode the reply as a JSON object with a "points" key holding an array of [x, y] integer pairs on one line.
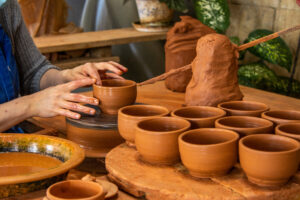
{"points": [[214, 70], [180, 50]]}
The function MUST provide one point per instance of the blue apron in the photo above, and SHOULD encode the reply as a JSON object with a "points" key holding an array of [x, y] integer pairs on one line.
{"points": [[9, 76]]}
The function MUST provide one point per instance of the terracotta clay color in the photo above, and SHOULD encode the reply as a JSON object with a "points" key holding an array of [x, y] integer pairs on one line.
{"points": [[245, 125], [269, 160], [157, 139], [208, 152], [282, 116], [291, 130], [214, 72], [114, 94], [180, 50], [129, 116], [75, 189], [199, 116], [244, 108]]}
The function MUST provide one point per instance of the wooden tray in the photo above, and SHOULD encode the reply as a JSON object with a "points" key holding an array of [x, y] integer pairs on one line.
{"points": [[172, 182]]}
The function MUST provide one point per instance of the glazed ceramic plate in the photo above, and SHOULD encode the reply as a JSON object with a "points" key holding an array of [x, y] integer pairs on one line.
{"points": [[152, 27], [34, 162]]}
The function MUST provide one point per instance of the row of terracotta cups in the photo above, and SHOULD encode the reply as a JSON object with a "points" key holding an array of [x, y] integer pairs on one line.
{"points": [[267, 159]]}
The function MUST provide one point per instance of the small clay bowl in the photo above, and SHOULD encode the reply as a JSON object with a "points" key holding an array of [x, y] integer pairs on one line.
{"points": [[129, 116], [245, 125], [199, 116], [244, 108], [208, 152], [282, 116], [114, 94], [157, 139], [75, 189], [269, 160], [291, 130]]}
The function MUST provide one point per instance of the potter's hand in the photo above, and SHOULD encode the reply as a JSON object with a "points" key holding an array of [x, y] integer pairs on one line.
{"points": [[96, 71], [59, 100]]}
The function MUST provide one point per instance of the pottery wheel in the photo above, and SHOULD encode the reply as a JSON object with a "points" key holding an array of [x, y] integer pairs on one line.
{"points": [[98, 121], [172, 182]]}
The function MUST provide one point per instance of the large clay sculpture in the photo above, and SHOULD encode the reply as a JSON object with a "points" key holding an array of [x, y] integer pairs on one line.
{"points": [[180, 50]]}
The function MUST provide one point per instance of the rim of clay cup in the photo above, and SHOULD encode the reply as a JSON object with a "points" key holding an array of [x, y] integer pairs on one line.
{"points": [[188, 125], [236, 137], [220, 105], [266, 115], [131, 83], [221, 114], [245, 117], [166, 111], [284, 133], [294, 141]]}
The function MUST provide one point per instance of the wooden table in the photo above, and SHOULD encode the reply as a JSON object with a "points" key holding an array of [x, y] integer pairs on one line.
{"points": [[159, 95]]}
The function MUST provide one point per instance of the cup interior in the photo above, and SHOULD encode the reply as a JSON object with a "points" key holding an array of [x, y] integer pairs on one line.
{"points": [[290, 128], [116, 83], [289, 115], [243, 105], [74, 190], [244, 122], [208, 136], [197, 112], [163, 124], [270, 143], [144, 110]]}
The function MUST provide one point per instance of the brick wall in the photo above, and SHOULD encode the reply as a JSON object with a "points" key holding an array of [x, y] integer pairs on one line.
{"points": [[247, 15]]}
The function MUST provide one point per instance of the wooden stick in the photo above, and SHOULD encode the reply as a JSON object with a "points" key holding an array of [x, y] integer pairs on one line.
{"points": [[268, 37], [165, 75]]}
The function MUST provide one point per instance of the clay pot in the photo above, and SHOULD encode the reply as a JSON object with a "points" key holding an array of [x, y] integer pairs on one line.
{"points": [[245, 125], [208, 152], [282, 116], [75, 189], [244, 108], [199, 116], [114, 94], [157, 139], [291, 130], [129, 116], [269, 160]]}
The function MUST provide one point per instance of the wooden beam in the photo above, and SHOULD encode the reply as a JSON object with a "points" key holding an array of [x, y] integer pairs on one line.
{"points": [[87, 40]]}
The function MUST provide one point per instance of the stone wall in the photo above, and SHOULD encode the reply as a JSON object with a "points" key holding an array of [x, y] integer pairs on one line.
{"points": [[247, 15]]}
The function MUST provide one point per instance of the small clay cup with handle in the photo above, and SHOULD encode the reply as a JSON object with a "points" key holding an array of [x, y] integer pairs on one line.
{"points": [[245, 125], [129, 116], [282, 116], [244, 108], [157, 139], [75, 189], [269, 160], [291, 130], [208, 152], [114, 94], [199, 116]]}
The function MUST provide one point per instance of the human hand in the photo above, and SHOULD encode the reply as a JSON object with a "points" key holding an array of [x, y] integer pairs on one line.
{"points": [[59, 100], [96, 71]]}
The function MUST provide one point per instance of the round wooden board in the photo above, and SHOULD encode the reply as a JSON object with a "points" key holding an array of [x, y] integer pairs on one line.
{"points": [[173, 182]]}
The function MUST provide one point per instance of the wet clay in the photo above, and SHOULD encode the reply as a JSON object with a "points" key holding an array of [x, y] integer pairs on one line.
{"points": [[16, 163], [180, 50], [214, 72]]}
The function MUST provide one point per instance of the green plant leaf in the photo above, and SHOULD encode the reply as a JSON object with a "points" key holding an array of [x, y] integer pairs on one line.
{"points": [[274, 51], [213, 13], [236, 40], [178, 5]]}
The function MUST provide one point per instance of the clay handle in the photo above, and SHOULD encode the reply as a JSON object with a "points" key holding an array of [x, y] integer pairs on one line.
{"points": [[268, 37], [165, 75]]}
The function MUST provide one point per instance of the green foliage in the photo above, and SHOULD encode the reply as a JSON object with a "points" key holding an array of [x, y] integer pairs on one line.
{"points": [[213, 13], [178, 5], [274, 51], [236, 40], [282, 87]]}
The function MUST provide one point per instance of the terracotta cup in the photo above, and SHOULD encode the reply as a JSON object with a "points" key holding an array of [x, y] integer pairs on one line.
{"points": [[114, 94], [208, 152], [157, 139], [282, 116], [269, 160], [245, 125], [129, 116], [244, 108], [199, 116], [75, 189], [291, 130]]}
